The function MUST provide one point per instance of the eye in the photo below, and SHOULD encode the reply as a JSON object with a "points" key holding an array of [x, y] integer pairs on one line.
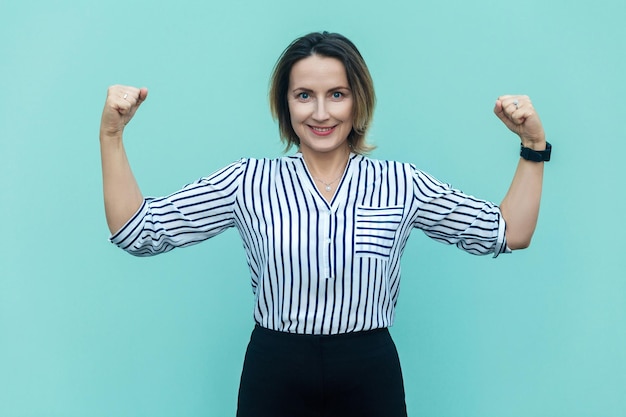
{"points": [[304, 96], [337, 95]]}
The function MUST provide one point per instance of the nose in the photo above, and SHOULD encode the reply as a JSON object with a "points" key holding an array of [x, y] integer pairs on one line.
{"points": [[321, 111]]}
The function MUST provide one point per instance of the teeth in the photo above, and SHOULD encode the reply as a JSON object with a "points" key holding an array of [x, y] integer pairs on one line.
{"points": [[322, 129]]}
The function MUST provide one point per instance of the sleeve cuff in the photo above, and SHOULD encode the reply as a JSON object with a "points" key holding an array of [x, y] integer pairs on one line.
{"points": [[501, 246], [129, 233]]}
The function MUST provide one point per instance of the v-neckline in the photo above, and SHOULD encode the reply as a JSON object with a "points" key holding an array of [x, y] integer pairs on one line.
{"points": [[339, 190]]}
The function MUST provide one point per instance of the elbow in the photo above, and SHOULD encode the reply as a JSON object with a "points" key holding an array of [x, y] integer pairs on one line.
{"points": [[519, 233], [518, 243]]}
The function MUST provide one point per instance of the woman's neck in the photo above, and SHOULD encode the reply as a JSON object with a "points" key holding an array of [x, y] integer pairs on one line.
{"points": [[327, 166]]}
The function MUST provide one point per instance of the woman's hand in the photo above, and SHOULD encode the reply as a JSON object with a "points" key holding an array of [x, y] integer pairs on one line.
{"points": [[121, 104], [519, 115]]}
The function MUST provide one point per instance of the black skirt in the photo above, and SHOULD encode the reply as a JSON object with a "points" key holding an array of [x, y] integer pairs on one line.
{"points": [[289, 375]]}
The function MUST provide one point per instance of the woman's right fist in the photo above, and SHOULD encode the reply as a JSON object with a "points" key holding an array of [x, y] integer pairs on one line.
{"points": [[121, 104]]}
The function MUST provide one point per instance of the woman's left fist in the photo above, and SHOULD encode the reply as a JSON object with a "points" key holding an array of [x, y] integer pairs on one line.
{"points": [[519, 115]]}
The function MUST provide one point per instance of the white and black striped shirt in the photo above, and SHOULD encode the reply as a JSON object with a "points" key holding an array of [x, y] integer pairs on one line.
{"points": [[318, 267]]}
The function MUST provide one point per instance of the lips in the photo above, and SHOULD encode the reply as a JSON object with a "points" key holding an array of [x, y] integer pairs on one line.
{"points": [[322, 131]]}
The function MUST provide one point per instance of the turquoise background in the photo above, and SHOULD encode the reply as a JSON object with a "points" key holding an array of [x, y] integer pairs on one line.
{"points": [[87, 330]]}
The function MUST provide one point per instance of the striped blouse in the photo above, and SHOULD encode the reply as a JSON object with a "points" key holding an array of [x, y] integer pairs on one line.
{"points": [[318, 267]]}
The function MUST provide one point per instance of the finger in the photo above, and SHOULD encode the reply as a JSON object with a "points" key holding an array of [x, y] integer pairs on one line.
{"points": [[522, 115], [115, 100], [500, 111], [126, 99], [516, 108], [142, 95], [517, 118], [510, 97], [523, 111], [511, 103], [135, 96], [130, 94], [121, 90]]}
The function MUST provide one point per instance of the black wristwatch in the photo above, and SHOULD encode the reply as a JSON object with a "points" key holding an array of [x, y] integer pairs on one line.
{"points": [[536, 156]]}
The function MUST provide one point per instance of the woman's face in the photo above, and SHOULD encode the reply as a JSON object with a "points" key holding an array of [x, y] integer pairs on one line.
{"points": [[320, 104]]}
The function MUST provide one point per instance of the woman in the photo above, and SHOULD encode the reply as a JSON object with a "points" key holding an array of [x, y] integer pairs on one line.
{"points": [[323, 230]]}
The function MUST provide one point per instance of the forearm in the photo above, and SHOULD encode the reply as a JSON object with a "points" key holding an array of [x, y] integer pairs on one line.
{"points": [[122, 196], [520, 207]]}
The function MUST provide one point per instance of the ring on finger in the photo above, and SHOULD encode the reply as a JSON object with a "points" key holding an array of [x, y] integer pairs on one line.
{"points": [[126, 95], [516, 104]]}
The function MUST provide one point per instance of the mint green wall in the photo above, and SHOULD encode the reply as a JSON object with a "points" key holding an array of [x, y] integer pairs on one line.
{"points": [[87, 330]]}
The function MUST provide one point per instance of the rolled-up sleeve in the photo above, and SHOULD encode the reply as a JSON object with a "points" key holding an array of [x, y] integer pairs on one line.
{"points": [[198, 211], [450, 216]]}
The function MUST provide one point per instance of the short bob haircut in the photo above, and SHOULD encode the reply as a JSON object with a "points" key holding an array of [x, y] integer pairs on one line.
{"points": [[330, 45]]}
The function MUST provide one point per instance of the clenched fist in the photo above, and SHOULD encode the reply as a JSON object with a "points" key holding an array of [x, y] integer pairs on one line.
{"points": [[121, 104], [519, 115]]}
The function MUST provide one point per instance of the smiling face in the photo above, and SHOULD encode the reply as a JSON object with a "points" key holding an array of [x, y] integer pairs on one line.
{"points": [[320, 105]]}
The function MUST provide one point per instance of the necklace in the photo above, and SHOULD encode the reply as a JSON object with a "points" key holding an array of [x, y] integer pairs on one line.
{"points": [[328, 184]]}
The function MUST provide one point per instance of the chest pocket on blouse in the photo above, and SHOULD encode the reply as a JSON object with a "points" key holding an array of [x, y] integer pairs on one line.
{"points": [[375, 230]]}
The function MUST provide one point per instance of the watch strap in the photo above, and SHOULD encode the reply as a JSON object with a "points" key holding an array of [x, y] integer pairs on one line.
{"points": [[536, 156]]}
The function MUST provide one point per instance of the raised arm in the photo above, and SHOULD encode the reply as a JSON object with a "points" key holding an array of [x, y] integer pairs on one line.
{"points": [[520, 207], [122, 196]]}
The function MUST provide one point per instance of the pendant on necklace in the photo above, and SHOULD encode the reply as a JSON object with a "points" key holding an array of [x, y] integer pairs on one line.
{"points": [[328, 188]]}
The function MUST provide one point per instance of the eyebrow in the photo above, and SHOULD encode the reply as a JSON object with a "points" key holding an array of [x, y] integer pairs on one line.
{"points": [[308, 90]]}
